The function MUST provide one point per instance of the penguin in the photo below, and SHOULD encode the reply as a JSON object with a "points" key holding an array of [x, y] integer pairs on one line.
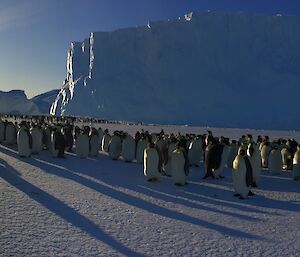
{"points": [[162, 147], [209, 140], [82, 145], [10, 134], [153, 137], [140, 149], [233, 150], [128, 148], [54, 150], [94, 142], [239, 175], [105, 141], [265, 151], [274, 160], [180, 166], [47, 130], [115, 146], [243, 144], [255, 160], [195, 151], [171, 148], [69, 139], [224, 158], [24, 142], [286, 156], [152, 162], [296, 164], [37, 139], [2, 131], [213, 158], [60, 144], [100, 135]]}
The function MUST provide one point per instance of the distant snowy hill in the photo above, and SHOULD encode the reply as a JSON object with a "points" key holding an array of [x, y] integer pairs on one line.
{"points": [[44, 101], [215, 69], [16, 102]]}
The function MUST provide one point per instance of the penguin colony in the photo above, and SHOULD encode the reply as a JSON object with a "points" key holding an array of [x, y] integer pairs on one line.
{"points": [[161, 154]]}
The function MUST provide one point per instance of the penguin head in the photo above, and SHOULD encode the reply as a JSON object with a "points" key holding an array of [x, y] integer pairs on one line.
{"points": [[242, 152], [151, 145]]}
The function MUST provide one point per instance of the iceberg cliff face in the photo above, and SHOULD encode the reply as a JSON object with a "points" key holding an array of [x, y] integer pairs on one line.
{"points": [[215, 69], [45, 100]]}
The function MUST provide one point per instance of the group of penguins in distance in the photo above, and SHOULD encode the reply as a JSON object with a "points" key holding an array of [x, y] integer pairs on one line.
{"points": [[162, 154]]}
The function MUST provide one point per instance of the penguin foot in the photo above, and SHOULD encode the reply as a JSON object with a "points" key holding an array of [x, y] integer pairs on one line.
{"points": [[242, 198], [296, 178], [196, 165], [236, 195], [177, 184], [220, 176], [250, 193], [152, 179], [254, 184], [207, 176], [186, 183]]}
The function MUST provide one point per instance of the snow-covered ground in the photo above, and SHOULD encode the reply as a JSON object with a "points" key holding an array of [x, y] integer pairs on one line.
{"points": [[100, 207]]}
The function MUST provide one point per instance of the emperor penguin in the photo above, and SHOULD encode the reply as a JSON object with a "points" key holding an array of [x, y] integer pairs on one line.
{"points": [[195, 151], [224, 158], [10, 134], [24, 142], [255, 160], [162, 147], [239, 175], [171, 148], [105, 141], [128, 148], [53, 148], [59, 143], [82, 145], [47, 131], [115, 146], [2, 131], [37, 139], [140, 149], [100, 135], [152, 162], [209, 141], [265, 151], [275, 161], [94, 142], [153, 136], [213, 158], [233, 151], [287, 162], [69, 139], [296, 164], [180, 166]]}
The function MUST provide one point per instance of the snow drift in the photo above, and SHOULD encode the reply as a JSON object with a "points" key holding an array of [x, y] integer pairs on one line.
{"points": [[215, 69]]}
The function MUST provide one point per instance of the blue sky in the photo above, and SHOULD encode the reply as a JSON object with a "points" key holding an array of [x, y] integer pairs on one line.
{"points": [[35, 34]]}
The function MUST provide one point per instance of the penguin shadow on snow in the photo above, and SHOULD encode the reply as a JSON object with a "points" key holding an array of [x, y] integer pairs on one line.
{"points": [[53, 204], [283, 182], [258, 201], [75, 168]]}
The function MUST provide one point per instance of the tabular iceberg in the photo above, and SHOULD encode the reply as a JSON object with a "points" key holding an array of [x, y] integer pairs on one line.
{"points": [[211, 68]]}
